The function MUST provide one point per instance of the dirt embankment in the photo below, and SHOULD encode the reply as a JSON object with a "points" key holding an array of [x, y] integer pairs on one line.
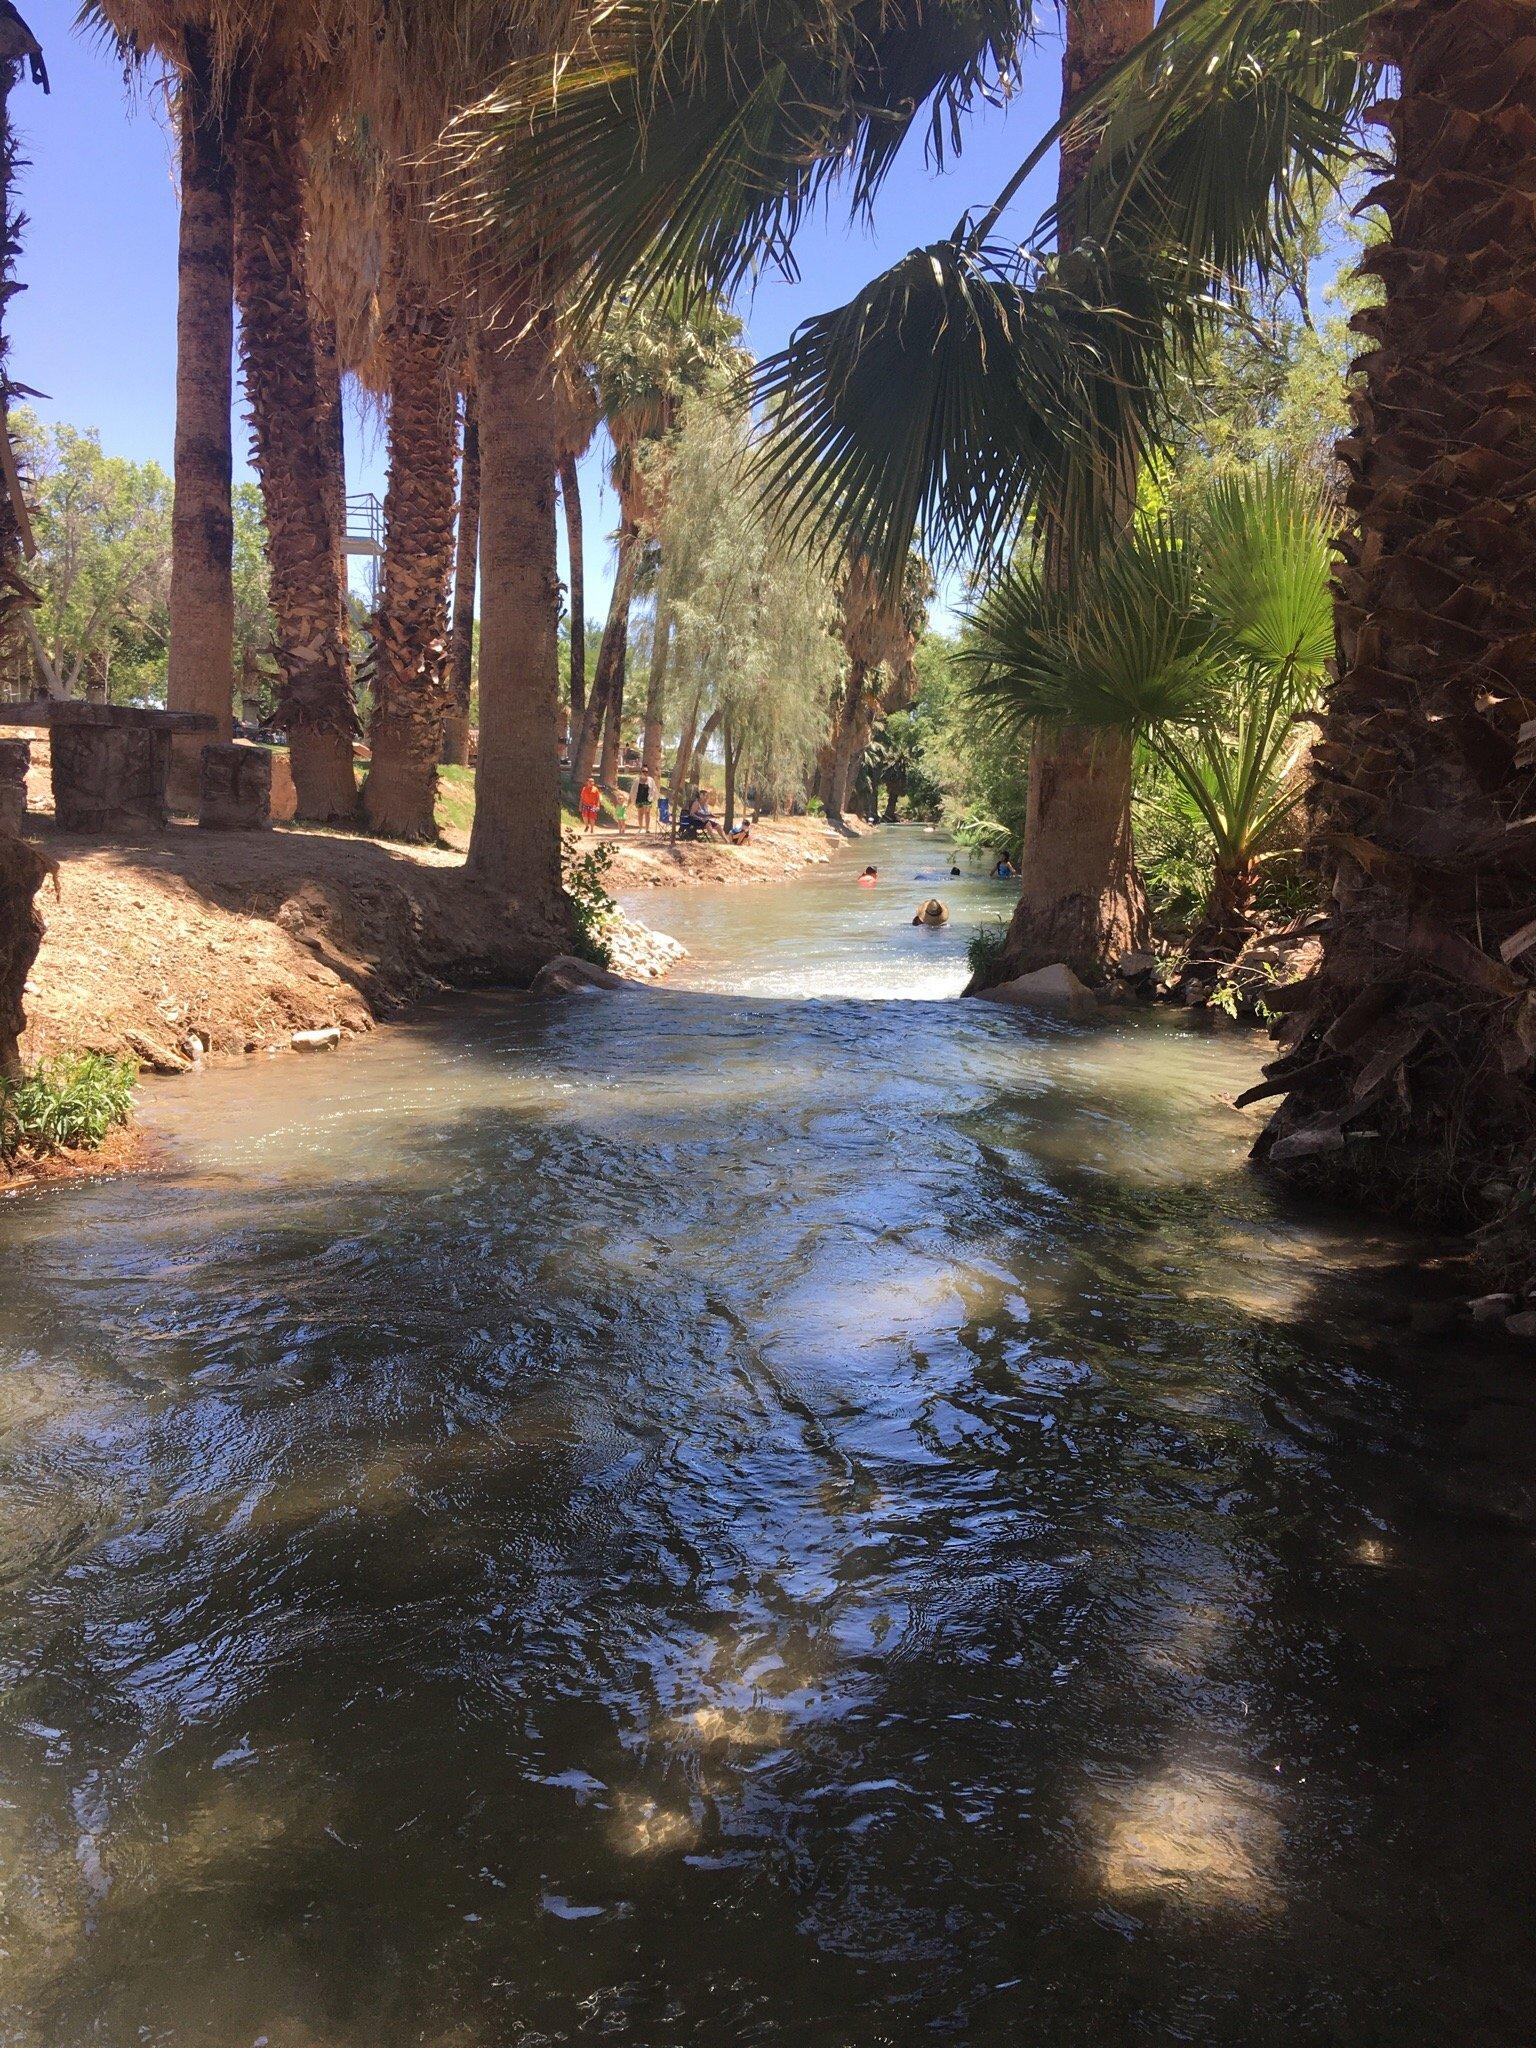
{"points": [[217, 944], [780, 848], [213, 945]]}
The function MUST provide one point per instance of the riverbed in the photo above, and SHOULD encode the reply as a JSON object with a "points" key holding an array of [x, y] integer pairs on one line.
{"points": [[780, 1508]]}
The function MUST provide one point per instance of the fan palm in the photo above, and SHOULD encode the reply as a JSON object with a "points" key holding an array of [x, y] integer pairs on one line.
{"points": [[1203, 639]]}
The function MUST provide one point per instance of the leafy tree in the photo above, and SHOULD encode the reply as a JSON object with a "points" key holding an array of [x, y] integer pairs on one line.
{"points": [[748, 618], [103, 528]]}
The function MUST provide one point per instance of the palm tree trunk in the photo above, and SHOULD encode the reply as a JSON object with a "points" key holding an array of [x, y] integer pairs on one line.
{"points": [[515, 845], [333, 442], [1417, 1033], [17, 597], [655, 694], [610, 654], [838, 758], [1226, 923], [200, 669], [570, 504], [461, 640], [411, 692], [1081, 899], [613, 723], [294, 444]]}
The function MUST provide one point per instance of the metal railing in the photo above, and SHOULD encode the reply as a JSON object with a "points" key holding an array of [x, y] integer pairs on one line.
{"points": [[365, 525]]}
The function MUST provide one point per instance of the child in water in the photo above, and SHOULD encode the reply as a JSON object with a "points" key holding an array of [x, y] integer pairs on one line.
{"points": [[869, 878]]}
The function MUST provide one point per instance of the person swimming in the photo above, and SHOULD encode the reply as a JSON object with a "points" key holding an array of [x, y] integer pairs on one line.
{"points": [[869, 878], [1005, 871], [932, 914]]}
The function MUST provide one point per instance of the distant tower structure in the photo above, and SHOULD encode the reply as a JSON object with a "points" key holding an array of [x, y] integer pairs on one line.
{"points": [[365, 537]]}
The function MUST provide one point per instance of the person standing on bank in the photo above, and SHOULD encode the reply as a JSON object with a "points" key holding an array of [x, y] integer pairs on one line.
{"points": [[643, 802]]}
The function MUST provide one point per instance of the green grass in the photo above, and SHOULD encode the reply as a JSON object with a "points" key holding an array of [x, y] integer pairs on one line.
{"points": [[455, 799], [456, 802], [65, 1105], [985, 945]]}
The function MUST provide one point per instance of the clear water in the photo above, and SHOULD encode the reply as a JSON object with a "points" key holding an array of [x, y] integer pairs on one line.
{"points": [[786, 1509]]}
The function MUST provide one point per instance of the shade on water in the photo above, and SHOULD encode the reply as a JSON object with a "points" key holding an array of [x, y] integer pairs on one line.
{"points": [[783, 1508]]}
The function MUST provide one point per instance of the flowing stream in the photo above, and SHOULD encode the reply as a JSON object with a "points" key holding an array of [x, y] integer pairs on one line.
{"points": [[782, 1510]]}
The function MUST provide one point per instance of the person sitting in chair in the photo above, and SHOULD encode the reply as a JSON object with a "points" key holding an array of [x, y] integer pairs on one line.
{"points": [[704, 818]]}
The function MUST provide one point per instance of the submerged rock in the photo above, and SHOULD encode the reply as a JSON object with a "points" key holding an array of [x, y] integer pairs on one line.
{"points": [[325, 1040], [1055, 987], [566, 975]]}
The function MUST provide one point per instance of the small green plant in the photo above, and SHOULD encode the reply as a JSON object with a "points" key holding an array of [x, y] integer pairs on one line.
{"points": [[1230, 996], [65, 1105], [984, 948], [592, 908], [815, 808]]}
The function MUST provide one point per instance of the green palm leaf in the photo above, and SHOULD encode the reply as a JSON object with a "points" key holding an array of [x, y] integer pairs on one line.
{"points": [[683, 143], [1266, 570], [1127, 646], [962, 394]]}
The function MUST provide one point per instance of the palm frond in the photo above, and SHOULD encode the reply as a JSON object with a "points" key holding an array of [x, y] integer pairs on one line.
{"points": [[1266, 570], [1205, 133], [964, 393], [1126, 646], [684, 142]]}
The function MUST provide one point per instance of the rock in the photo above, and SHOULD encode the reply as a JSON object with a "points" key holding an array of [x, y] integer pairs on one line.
{"points": [[1054, 987], [1492, 1308], [236, 788], [109, 771], [15, 758], [324, 1040], [193, 1046], [1133, 966], [1522, 1325], [565, 975], [160, 1059]]}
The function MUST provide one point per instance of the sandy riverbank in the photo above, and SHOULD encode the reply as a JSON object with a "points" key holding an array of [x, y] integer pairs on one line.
{"points": [[201, 945], [780, 849], [198, 944]]}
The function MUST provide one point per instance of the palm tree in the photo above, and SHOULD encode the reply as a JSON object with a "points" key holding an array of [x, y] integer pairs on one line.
{"points": [[461, 637], [418, 62], [967, 389], [18, 46], [1205, 642], [412, 692], [879, 633], [200, 662]]}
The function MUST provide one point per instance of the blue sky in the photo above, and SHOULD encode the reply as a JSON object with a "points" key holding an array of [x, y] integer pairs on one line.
{"points": [[95, 329]]}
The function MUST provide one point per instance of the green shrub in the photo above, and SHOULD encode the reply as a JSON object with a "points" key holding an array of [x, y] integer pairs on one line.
{"points": [[65, 1105], [592, 908], [985, 945]]}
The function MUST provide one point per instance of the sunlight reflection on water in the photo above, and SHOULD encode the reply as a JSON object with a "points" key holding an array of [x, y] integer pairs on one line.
{"points": [[761, 1511]]}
